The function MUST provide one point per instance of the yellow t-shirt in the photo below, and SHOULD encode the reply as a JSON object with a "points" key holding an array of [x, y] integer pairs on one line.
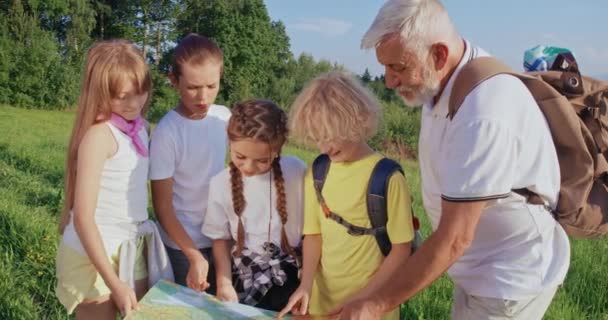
{"points": [[348, 262]]}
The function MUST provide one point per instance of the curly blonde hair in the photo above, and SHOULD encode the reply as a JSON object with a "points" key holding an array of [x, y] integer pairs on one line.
{"points": [[334, 107]]}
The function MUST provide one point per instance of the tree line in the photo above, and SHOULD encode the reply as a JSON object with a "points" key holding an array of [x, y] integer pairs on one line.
{"points": [[43, 45]]}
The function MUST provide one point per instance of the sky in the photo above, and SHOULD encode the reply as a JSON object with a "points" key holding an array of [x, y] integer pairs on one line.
{"points": [[332, 29]]}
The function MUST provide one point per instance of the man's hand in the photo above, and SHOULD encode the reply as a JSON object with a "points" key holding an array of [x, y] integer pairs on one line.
{"points": [[360, 309]]}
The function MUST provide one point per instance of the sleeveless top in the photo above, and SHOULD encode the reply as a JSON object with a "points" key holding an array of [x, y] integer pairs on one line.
{"points": [[122, 199]]}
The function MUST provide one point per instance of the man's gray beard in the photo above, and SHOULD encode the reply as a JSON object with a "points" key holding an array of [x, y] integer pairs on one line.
{"points": [[422, 98], [426, 95]]}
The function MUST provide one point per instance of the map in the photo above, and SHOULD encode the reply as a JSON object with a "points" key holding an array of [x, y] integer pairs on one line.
{"points": [[167, 300]]}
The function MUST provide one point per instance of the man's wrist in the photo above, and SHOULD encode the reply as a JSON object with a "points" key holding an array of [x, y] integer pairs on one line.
{"points": [[378, 303]]}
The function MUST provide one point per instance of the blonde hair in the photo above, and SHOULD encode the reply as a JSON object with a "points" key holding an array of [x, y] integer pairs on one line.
{"points": [[109, 66], [334, 106]]}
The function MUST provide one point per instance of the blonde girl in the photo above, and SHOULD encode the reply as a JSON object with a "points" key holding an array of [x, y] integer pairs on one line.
{"points": [[256, 204], [101, 268]]}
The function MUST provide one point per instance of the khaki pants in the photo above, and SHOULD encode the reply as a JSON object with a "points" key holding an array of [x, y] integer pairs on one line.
{"points": [[468, 307]]}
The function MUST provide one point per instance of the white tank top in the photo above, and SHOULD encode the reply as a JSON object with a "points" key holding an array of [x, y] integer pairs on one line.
{"points": [[122, 200]]}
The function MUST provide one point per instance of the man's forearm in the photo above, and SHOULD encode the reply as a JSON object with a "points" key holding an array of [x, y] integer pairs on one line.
{"points": [[388, 269], [453, 236], [431, 260]]}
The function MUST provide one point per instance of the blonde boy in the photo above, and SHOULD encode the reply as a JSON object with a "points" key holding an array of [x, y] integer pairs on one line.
{"points": [[338, 115]]}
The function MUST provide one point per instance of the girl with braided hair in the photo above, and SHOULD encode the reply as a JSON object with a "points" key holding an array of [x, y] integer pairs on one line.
{"points": [[255, 210]]}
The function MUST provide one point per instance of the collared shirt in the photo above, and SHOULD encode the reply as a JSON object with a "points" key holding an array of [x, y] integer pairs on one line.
{"points": [[498, 141]]}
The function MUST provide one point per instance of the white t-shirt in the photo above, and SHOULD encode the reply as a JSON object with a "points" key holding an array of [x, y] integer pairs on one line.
{"points": [[122, 199], [192, 152], [260, 210], [498, 141]]}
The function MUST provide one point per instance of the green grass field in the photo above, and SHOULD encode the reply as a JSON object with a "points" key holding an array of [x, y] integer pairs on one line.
{"points": [[32, 151]]}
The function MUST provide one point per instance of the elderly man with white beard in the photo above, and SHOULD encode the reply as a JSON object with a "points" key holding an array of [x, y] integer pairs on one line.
{"points": [[506, 257]]}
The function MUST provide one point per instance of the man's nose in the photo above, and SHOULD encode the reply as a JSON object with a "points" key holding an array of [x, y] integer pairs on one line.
{"points": [[391, 80]]}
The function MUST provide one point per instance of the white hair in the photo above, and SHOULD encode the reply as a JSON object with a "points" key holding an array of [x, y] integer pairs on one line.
{"points": [[420, 23]]}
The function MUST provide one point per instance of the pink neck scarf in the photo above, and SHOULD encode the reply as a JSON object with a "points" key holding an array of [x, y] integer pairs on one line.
{"points": [[131, 129]]}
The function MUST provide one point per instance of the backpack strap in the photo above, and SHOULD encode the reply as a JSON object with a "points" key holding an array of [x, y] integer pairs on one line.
{"points": [[471, 75], [377, 206], [483, 68], [320, 168]]}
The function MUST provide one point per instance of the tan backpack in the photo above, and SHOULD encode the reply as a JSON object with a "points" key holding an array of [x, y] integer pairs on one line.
{"points": [[576, 108]]}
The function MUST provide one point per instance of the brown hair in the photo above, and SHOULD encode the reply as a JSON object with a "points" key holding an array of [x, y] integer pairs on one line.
{"points": [[196, 49], [109, 66], [263, 121]]}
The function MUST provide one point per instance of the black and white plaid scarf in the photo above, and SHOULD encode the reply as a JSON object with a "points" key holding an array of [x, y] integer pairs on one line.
{"points": [[256, 273]]}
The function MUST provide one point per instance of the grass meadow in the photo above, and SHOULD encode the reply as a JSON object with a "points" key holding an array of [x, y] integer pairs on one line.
{"points": [[32, 151]]}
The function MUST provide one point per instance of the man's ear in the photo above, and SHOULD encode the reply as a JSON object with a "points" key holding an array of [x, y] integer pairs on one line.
{"points": [[440, 53]]}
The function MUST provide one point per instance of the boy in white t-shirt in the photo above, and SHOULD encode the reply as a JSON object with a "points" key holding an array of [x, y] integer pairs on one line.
{"points": [[188, 148]]}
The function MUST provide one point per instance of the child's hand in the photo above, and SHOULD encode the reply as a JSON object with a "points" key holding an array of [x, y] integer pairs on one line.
{"points": [[124, 298], [227, 293], [298, 302], [197, 274]]}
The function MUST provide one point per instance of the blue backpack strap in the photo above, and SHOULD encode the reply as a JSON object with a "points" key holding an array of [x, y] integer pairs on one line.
{"points": [[377, 190], [320, 167]]}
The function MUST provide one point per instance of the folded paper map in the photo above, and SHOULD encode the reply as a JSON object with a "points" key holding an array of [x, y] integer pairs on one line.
{"points": [[167, 300]]}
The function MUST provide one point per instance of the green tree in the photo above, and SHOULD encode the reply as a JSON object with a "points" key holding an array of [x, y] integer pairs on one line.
{"points": [[366, 77], [5, 60], [32, 52], [162, 19], [79, 21], [114, 19], [42, 47], [255, 49]]}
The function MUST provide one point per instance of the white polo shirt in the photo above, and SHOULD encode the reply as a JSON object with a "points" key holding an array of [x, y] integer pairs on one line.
{"points": [[498, 141]]}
